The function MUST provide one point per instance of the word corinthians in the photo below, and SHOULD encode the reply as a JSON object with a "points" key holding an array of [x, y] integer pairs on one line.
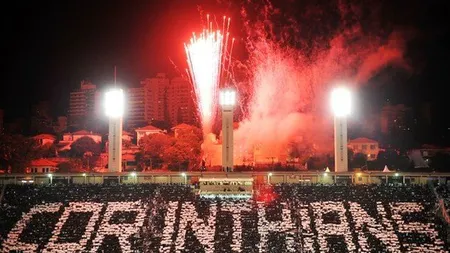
{"points": [[304, 227]]}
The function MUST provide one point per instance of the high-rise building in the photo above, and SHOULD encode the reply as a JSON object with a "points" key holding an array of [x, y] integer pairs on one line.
{"points": [[135, 112], [84, 105], [155, 94], [180, 103], [160, 99]]}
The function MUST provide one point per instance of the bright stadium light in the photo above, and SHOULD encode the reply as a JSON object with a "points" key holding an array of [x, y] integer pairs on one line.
{"points": [[341, 102], [114, 103], [114, 109], [51, 178], [341, 105], [227, 98], [185, 177]]}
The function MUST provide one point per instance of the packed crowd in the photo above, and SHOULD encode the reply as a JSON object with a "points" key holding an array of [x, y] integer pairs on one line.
{"points": [[170, 218]]}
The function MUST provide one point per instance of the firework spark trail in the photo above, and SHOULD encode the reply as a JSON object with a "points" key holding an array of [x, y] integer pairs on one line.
{"points": [[289, 85], [206, 57]]}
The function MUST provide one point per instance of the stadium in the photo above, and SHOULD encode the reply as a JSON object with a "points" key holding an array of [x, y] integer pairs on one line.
{"points": [[243, 161], [190, 212]]}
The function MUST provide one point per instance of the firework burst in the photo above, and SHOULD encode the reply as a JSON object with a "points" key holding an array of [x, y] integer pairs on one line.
{"points": [[208, 58]]}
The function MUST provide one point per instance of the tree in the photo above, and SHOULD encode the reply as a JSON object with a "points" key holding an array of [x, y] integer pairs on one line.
{"points": [[388, 157], [183, 152], [189, 141], [152, 148], [359, 160], [83, 145], [191, 134], [16, 152], [46, 151], [126, 143], [300, 152], [441, 162], [87, 150], [72, 165]]}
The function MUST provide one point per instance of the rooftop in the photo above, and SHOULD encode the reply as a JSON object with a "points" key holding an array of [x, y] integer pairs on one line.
{"points": [[148, 128], [181, 126], [45, 136], [362, 140], [84, 132], [43, 162]]}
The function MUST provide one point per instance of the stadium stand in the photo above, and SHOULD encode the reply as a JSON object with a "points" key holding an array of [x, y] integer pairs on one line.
{"points": [[171, 218]]}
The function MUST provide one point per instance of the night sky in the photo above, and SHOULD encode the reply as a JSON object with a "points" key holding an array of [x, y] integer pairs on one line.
{"points": [[50, 46]]}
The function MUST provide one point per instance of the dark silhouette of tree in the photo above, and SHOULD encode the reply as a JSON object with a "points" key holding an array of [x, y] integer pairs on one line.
{"points": [[72, 165], [83, 145], [86, 149], [359, 160], [388, 157], [47, 151], [441, 162], [16, 152]]}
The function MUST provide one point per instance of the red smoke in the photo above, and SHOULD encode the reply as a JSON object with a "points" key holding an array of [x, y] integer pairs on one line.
{"points": [[290, 77]]}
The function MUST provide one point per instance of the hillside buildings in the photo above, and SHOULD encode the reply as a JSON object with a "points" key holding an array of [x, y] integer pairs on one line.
{"points": [[160, 99], [84, 106]]}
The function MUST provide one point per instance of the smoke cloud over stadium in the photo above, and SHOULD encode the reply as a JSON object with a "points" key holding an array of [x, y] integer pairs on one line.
{"points": [[293, 61]]}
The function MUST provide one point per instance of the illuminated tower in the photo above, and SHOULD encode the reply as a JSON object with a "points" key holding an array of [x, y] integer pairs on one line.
{"points": [[114, 107], [341, 105], [227, 101]]}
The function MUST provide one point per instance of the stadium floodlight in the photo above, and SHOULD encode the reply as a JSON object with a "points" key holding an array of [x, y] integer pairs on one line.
{"points": [[183, 174], [114, 103], [268, 177], [341, 102], [114, 109], [341, 106], [227, 100]]}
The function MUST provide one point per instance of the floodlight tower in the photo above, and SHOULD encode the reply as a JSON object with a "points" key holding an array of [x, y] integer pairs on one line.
{"points": [[114, 107], [227, 100], [341, 105]]}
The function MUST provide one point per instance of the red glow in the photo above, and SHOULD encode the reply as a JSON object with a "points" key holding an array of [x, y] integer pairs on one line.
{"points": [[266, 194], [207, 56], [289, 88]]}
